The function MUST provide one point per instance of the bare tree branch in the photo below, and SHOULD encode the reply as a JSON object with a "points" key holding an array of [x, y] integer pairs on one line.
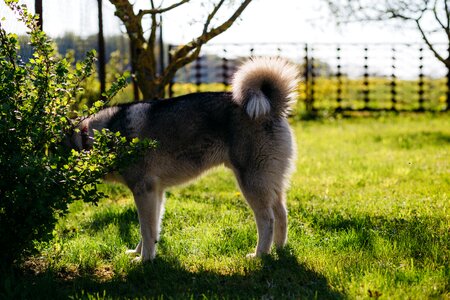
{"points": [[404, 10], [150, 82], [181, 55], [436, 16], [211, 16], [447, 12], [124, 10], [430, 46], [155, 11], [418, 12], [152, 39]]}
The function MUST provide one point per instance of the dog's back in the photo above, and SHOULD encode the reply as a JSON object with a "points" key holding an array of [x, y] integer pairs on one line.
{"points": [[192, 134]]}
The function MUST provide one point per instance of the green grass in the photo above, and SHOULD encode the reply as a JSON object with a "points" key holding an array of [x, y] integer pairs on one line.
{"points": [[369, 217]]}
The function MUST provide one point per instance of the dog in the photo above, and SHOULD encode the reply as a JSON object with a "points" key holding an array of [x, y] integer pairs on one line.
{"points": [[246, 130]]}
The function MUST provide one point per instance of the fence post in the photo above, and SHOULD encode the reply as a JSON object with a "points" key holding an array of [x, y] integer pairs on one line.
{"points": [[225, 75], [38, 12], [393, 81], [447, 100], [421, 82], [339, 80], [198, 72], [313, 80], [366, 78], [101, 50], [306, 73], [279, 52], [309, 81], [172, 81]]}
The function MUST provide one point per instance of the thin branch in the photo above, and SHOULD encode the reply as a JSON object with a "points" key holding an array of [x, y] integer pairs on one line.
{"points": [[179, 57], [436, 16], [155, 11], [211, 16], [447, 14], [124, 10], [396, 15], [152, 39], [170, 72], [430, 46]]}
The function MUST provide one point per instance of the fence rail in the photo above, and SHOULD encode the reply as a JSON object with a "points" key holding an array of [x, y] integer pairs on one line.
{"points": [[356, 77]]}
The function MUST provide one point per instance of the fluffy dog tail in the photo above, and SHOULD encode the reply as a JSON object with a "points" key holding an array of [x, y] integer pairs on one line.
{"points": [[265, 86]]}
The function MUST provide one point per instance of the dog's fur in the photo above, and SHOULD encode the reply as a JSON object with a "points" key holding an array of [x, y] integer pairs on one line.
{"points": [[245, 130]]}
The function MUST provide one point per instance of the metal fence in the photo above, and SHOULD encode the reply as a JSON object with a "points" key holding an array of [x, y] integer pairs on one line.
{"points": [[347, 77]]}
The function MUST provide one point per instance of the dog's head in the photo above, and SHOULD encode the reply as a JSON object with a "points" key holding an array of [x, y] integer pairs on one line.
{"points": [[82, 135], [80, 138]]}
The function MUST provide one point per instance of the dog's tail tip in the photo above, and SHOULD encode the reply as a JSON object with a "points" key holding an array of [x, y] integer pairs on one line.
{"points": [[264, 86]]}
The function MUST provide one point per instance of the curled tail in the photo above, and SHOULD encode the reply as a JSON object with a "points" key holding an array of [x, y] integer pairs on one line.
{"points": [[265, 86]]}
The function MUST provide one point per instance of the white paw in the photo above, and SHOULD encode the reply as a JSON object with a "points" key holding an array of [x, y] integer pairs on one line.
{"points": [[251, 255], [131, 252], [136, 260], [141, 259]]}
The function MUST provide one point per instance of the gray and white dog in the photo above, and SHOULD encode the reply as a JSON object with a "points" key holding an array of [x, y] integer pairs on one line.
{"points": [[246, 130]]}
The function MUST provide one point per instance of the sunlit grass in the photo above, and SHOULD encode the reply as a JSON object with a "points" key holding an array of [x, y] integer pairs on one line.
{"points": [[369, 216]]}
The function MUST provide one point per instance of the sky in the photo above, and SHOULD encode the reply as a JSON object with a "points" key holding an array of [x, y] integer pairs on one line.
{"points": [[263, 21]]}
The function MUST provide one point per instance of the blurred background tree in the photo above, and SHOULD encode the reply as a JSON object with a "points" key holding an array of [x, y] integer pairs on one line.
{"points": [[430, 17], [144, 49]]}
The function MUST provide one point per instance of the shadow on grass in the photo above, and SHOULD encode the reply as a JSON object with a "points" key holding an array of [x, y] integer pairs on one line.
{"points": [[125, 219], [280, 277]]}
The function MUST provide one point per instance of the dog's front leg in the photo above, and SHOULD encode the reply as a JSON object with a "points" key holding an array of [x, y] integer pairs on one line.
{"points": [[149, 202]]}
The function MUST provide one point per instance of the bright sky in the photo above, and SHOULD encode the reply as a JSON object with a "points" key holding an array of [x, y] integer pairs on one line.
{"points": [[263, 21]]}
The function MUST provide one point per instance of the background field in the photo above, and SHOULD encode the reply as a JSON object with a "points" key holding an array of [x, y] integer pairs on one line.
{"points": [[369, 216], [379, 94]]}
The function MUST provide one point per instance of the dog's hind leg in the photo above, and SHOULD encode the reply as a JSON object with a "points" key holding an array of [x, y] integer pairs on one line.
{"points": [[149, 199], [264, 221], [280, 228], [260, 200]]}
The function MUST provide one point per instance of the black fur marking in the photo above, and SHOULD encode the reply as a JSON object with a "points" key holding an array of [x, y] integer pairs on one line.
{"points": [[266, 89]]}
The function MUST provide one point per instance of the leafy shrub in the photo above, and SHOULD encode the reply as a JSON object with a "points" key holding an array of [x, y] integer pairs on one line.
{"points": [[39, 176]]}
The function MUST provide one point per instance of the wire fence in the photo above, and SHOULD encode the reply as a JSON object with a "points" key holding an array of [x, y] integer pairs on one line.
{"points": [[333, 77], [356, 77]]}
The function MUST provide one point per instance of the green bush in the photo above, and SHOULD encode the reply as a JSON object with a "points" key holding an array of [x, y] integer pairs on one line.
{"points": [[39, 176]]}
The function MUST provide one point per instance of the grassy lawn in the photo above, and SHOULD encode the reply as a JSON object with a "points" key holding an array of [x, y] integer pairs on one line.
{"points": [[369, 217]]}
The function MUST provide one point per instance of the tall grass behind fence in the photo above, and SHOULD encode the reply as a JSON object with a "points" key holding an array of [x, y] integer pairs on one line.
{"points": [[361, 77]]}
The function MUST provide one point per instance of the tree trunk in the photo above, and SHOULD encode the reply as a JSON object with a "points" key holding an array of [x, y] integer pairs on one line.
{"points": [[149, 83], [151, 89], [447, 108], [38, 11], [101, 50], [133, 71]]}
